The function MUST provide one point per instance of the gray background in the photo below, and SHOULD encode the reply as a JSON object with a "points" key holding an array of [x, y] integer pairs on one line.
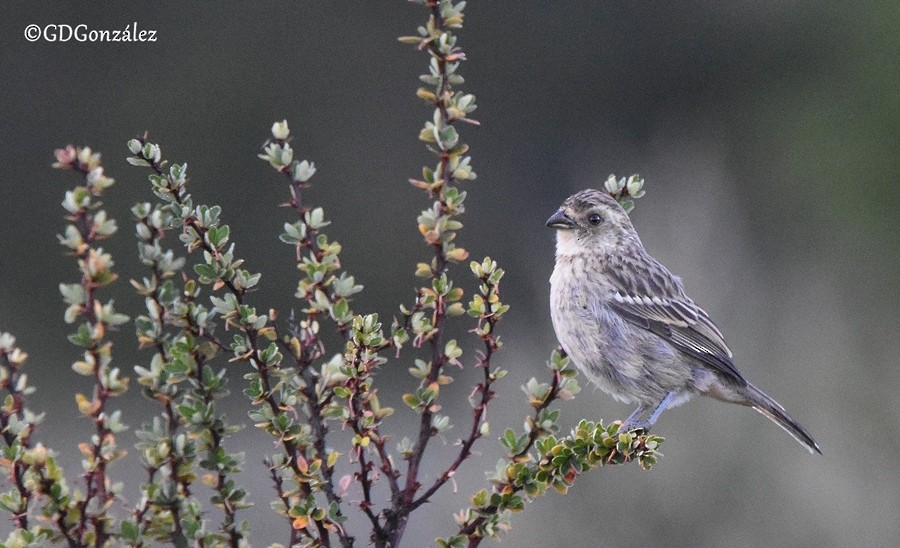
{"points": [[768, 136]]}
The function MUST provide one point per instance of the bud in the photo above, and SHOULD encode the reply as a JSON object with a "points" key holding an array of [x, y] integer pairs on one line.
{"points": [[287, 155], [65, 157], [612, 185], [303, 171], [280, 130], [634, 185]]}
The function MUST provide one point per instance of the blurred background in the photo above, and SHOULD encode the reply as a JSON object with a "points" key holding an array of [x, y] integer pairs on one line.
{"points": [[768, 135]]}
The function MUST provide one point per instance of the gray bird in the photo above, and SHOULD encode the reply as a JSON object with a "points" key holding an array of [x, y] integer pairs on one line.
{"points": [[628, 325]]}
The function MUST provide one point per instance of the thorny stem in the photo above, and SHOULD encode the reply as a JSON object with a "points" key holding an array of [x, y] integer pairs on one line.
{"points": [[172, 418], [469, 530], [406, 500], [172, 421], [535, 432], [316, 420], [207, 396], [278, 482], [290, 446], [95, 478], [479, 415], [404, 504], [359, 407], [140, 511], [13, 376], [312, 349], [191, 221], [62, 506]]}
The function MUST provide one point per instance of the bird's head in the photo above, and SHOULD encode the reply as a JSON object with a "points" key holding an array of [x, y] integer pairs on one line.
{"points": [[592, 221]]}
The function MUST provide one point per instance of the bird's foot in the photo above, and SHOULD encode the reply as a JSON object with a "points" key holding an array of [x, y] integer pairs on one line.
{"points": [[629, 425], [635, 422]]}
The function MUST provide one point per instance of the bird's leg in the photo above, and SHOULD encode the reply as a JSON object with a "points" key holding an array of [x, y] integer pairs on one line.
{"points": [[633, 418], [662, 406], [631, 423]]}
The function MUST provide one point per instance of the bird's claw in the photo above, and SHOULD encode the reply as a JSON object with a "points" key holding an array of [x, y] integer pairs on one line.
{"points": [[637, 426]]}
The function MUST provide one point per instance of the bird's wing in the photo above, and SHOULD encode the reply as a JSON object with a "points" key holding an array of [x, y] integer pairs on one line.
{"points": [[649, 296]]}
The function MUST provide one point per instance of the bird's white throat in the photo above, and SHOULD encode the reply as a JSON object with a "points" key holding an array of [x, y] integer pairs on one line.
{"points": [[567, 243]]}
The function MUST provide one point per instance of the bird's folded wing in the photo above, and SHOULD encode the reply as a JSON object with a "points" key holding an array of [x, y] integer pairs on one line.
{"points": [[654, 300]]}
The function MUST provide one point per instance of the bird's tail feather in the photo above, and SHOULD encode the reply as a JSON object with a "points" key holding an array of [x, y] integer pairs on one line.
{"points": [[763, 403]]}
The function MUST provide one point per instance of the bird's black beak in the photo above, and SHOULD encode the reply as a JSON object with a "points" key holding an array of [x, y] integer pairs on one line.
{"points": [[561, 221]]}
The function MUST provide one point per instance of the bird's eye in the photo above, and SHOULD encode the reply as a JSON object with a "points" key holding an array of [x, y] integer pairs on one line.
{"points": [[595, 219]]}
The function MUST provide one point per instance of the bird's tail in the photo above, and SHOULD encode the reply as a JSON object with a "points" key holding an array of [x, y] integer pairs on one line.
{"points": [[763, 403]]}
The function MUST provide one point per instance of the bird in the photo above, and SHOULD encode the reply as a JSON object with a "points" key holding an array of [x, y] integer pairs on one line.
{"points": [[627, 324]]}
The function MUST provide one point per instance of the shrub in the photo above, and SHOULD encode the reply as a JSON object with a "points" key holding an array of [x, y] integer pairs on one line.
{"points": [[196, 318]]}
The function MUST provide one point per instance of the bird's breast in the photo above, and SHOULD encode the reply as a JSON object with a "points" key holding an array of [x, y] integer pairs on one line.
{"points": [[589, 331]]}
